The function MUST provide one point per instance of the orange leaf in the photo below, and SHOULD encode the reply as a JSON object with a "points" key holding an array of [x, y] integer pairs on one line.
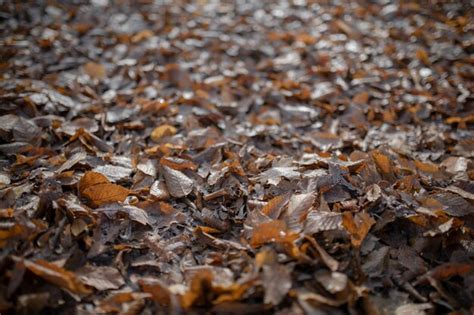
{"points": [[91, 179], [98, 190], [449, 270], [58, 276], [158, 290], [358, 226], [361, 98], [162, 131], [422, 55], [274, 207], [95, 70], [384, 165], [15, 231], [273, 231], [200, 285]]}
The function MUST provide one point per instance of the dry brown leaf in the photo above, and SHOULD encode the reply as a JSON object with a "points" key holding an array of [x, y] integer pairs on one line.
{"points": [[319, 221], [422, 55], [158, 290], [90, 179], [200, 286], [15, 231], [275, 206], [162, 131], [297, 210], [358, 226], [58, 276], [384, 165], [361, 98], [96, 188], [142, 35], [273, 231], [178, 164], [277, 282], [95, 70]]}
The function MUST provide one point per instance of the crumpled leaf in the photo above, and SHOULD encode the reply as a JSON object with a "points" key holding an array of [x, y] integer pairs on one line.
{"points": [[134, 213]]}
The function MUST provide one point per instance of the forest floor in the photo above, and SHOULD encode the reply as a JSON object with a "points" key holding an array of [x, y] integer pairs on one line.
{"points": [[236, 157]]}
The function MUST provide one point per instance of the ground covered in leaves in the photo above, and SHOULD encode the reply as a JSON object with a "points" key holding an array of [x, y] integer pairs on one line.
{"points": [[242, 157]]}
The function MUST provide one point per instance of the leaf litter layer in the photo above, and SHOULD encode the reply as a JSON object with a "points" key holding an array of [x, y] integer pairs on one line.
{"points": [[173, 157]]}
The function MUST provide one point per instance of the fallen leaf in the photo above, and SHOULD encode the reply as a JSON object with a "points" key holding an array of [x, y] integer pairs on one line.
{"points": [[178, 184], [101, 277], [277, 283], [58, 276], [162, 131], [358, 226], [319, 221], [95, 70], [97, 189], [275, 206], [384, 165], [274, 175], [273, 231]]}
